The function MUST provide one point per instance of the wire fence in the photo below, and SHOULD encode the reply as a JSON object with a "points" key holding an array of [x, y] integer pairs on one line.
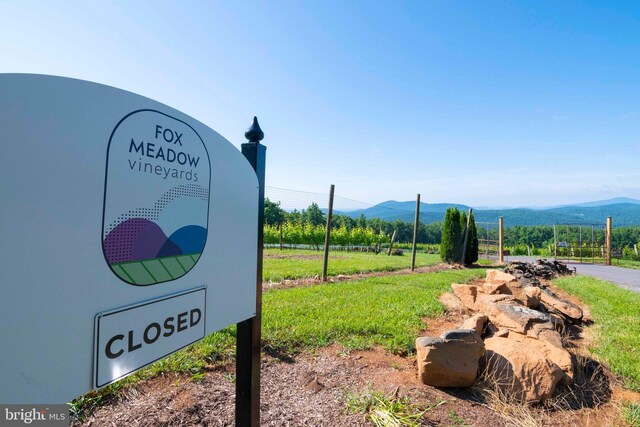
{"points": [[362, 226], [291, 200], [488, 239], [354, 227]]}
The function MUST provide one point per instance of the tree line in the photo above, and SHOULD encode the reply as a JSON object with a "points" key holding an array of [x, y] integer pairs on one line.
{"points": [[275, 216], [539, 236]]}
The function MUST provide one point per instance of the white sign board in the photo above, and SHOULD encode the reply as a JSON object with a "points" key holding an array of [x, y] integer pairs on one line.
{"points": [[118, 215]]}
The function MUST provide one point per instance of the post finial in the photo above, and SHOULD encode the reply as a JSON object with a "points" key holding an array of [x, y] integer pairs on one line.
{"points": [[254, 133]]}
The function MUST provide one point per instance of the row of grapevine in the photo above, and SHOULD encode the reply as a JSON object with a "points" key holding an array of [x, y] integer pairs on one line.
{"points": [[308, 234]]}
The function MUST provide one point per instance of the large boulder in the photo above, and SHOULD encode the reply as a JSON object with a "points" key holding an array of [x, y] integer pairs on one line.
{"points": [[520, 368], [451, 360], [546, 332], [533, 294], [554, 303], [525, 321], [516, 317], [467, 294], [558, 321], [519, 292], [498, 282], [497, 277], [556, 354], [486, 303], [493, 288], [475, 322]]}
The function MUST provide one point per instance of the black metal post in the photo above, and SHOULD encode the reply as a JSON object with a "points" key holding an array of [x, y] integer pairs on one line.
{"points": [[248, 335]]}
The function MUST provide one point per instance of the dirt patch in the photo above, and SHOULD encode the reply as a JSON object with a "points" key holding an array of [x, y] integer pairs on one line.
{"points": [[627, 395], [311, 281], [435, 326], [298, 256], [309, 391]]}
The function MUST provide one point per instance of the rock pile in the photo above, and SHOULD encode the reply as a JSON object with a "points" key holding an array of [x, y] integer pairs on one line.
{"points": [[541, 268], [513, 333]]}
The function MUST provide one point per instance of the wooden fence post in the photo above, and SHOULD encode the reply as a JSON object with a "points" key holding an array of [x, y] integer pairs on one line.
{"points": [[608, 240], [327, 234], [393, 237]]}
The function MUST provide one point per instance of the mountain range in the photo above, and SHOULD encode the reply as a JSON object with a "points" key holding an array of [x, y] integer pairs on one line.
{"points": [[624, 211]]}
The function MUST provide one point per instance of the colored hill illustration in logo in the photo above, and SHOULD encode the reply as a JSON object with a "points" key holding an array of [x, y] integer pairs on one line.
{"points": [[140, 252]]}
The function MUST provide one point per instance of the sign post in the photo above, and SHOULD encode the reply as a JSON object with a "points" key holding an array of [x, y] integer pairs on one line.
{"points": [[248, 332]]}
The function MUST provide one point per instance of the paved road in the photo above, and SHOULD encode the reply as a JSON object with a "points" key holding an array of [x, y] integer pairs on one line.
{"points": [[624, 277]]}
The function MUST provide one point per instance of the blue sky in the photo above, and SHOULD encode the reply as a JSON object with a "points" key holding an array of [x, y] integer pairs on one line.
{"points": [[482, 103]]}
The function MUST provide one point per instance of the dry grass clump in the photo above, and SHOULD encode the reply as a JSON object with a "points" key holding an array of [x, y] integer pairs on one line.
{"points": [[590, 389], [506, 399], [386, 410]]}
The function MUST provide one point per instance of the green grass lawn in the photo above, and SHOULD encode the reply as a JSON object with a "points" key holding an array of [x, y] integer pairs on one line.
{"points": [[485, 262], [359, 314], [290, 264], [626, 263], [616, 315]]}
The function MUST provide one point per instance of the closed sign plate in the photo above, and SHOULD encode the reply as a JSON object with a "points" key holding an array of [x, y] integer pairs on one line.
{"points": [[132, 337]]}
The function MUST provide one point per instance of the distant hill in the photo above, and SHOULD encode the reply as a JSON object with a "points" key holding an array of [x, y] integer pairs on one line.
{"points": [[615, 201], [392, 210], [623, 214]]}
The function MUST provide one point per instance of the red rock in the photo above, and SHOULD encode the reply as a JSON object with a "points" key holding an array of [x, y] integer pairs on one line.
{"points": [[553, 303], [498, 277], [521, 369], [451, 360], [475, 322]]}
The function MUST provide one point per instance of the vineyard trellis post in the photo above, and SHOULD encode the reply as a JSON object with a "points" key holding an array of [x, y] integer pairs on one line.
{"points": [[393, 237], [593, 246], [248, 331], [416, 224], [327, 234], [501, 240], [580, 241], [608, 240]]}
